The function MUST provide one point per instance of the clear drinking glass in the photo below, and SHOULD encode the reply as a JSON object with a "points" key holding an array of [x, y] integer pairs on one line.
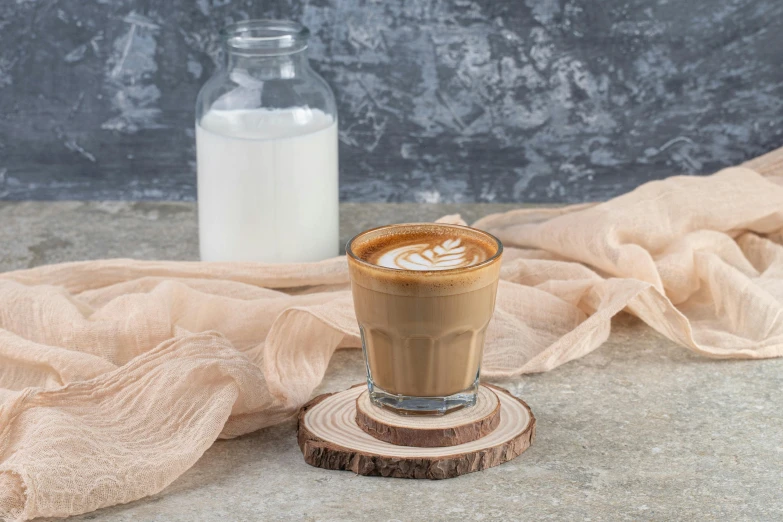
{"points": [[266, 141], [423, 329]]}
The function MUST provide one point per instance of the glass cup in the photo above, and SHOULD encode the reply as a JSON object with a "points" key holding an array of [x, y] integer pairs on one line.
{"points": [[423, 330]]}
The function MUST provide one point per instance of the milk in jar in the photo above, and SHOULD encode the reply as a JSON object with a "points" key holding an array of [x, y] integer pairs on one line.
{"points": [[266, 150], [267, 185]]}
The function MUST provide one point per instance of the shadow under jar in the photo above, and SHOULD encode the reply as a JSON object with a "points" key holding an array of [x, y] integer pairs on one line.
{"points": [[424, 295]]}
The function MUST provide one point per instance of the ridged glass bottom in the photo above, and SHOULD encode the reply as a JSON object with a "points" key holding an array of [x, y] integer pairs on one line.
{"points": [[405, 405]]}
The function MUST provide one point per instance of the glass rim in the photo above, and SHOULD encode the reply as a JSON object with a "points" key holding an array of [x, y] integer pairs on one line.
{"points": [[349, 251], [265, 36]]}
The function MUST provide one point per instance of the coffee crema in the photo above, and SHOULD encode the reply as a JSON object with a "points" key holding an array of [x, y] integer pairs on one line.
{"points": [[425, 246], [422, 259]]}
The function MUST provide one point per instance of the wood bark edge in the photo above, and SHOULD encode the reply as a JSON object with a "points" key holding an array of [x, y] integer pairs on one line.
{"points": [[323, 454]]}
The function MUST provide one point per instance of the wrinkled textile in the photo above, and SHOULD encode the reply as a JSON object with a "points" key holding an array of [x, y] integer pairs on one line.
{"points": [[115, 376]]}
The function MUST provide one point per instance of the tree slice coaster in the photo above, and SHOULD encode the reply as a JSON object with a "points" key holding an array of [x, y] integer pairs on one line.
{"points": [[330, 438], [459, 427]]}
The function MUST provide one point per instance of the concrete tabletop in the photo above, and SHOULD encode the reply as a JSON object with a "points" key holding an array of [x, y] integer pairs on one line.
{"points": [[641, 429]]}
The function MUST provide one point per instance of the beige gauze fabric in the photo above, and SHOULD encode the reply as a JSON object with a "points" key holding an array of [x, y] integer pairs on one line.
{"points": [[116, 376]]}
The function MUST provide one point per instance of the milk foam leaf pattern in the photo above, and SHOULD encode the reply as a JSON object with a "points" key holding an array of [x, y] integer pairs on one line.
{"points": [[450, 253]]}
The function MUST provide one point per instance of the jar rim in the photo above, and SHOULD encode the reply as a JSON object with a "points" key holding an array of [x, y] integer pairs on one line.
{"points": [[267, 37]]}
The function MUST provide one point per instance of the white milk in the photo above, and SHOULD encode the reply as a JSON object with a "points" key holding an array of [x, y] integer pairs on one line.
{"points": [[267, 185]]}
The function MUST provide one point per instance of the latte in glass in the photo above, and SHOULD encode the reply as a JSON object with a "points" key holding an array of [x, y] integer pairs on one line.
{"points": [[424, 295]]}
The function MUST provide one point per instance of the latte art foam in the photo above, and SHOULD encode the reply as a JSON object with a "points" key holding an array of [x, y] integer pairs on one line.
{"points": [[450, 253]]}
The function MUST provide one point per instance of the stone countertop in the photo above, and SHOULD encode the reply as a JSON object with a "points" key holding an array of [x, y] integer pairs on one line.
{"points": [[641, 429]]}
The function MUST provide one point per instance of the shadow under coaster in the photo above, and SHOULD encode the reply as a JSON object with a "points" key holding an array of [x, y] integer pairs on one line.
{"points": [[346, 431]]}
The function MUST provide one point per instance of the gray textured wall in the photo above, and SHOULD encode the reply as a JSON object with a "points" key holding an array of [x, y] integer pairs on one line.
{"points": [[459, 100]]}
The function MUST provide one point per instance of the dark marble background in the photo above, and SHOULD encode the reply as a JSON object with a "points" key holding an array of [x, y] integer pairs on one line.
{"points": [[440, 100]]}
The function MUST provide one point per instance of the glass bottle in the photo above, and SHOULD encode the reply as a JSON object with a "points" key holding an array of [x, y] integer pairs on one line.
{"points": [[266, 147]]}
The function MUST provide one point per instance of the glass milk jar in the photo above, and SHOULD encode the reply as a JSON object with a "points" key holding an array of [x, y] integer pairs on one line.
{"points": [[266, 147]]}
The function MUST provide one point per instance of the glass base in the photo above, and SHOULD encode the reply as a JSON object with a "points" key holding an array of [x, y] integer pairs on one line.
{"points": [[405, 405]]}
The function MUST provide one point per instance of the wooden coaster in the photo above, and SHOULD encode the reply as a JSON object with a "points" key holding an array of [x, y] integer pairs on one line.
{"points": [[459, 427], [330, 438]]}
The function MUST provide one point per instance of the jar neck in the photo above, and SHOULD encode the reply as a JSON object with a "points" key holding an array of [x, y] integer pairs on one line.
{"points": [[267, 67]]}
